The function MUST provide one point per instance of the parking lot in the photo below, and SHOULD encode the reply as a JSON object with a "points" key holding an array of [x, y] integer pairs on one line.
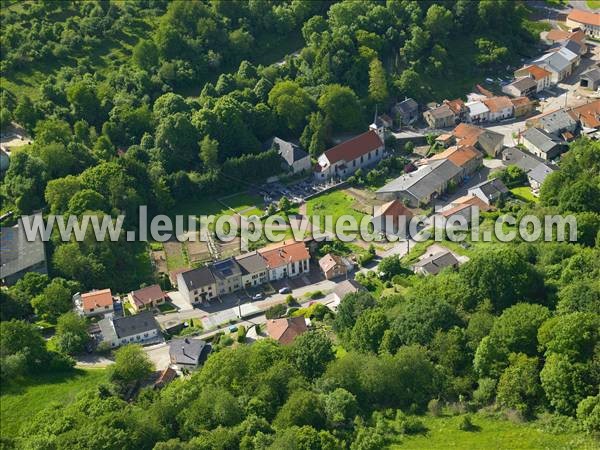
{"points": [[296, 192]]}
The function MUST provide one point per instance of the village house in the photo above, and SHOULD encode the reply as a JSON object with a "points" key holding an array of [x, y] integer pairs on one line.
{"points": [[406, 112], [478, 111], [293, 158], [344, 288], [423, 185], [464, 207], [556, 123], [391, 218], [487, 141], [432, 263], [499, 108], [285, 330], [523, 106], [588, 116], [197, 285], [537, 175], [445, 140], [228, 275], [561, 37], [254, 269], [467, 157], [489, 191], [138, 328], [94, 302], [146, 298], [286, 259], [542, 77], [590, 79], [542, 144], [188, 353], [344, 159], [165, 377], [559, 64], [459, 108], [440, 117], [521, 87], [333, 266], [525, 161], [577, 47], [589, 22]]}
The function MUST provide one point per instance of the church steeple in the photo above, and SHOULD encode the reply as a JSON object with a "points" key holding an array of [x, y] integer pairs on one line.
{"points": [[377, 126]]}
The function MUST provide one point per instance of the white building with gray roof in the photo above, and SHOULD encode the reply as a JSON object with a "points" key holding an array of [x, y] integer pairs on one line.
{"points": [[538, 174], [293, 157], [140, 328], [542, 144], [421, 186], [254, 269], [197, 285], [188, 353]]}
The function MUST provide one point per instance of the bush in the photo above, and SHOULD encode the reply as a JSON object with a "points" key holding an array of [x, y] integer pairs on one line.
{"points": [[409, 424], [588, 413], [434, 407], [485, 392], [226, 340], [466, 424], [316, 294], [241, 334], [275, 312], [289, 300]]}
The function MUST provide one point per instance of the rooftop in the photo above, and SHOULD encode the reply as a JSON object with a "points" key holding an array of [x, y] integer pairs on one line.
{"points": [[285, 253], [289, 151], [435, 263], [347, 287], [540, 172], [251, 263], [136, 324], [16, 252], [287, 329], [189, 351], [97, 299], [147, 295], [197, 278], [542, 140], [585, 17], [524, 160], [354, 148], [537, 72], [441, 112], [226, 268], [329, 261], [491, 187], [459, 155], [524, 83], [394, 208], [478, 107]]}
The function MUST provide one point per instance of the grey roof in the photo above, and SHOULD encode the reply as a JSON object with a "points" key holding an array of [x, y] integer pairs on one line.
{"points": [[189, 351], [406, 107], [491, 188], [441, 112], [490, 139], [554, 61], [557, 121], [136, 324], [540, 172], [199, 277], [523, 160], [251, 263], [435, 263], [16, 252], [524, 83], [574, 46], [289, 151], [592, 74], [226, 268], [347, 287], [425, 180], [540, 139]]}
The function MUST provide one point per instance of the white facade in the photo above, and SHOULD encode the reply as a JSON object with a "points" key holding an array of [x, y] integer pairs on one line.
{"points": [[289, 270]]}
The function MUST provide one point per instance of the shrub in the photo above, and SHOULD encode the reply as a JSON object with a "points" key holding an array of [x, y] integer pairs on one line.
{"points": [[434, 407], [241, 334], [275, 312], [466, 424], [409, 424], [316, 294], [588, 413], [289, 300], [485, 392]]}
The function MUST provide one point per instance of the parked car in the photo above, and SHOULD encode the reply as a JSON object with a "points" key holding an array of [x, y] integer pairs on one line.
{"points": [[285, 290], [233, 329], [258, 296]]}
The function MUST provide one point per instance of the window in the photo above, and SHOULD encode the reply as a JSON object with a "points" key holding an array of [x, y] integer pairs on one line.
{"points": [[91, 309], [145, 334]]}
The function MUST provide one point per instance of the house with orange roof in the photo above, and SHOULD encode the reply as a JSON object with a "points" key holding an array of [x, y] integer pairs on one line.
{"points": [[588, 115], [344, 159], [287, 329], [523, 106], [333, 266], [542, 77], [467, 157], [587, 21], [499, 107], [94, 302], [286, 259], [465, 207], [391, 218], [487, 141], [146, 298]]}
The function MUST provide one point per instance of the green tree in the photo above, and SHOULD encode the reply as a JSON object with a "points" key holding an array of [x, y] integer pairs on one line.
{"points": [[284, 203], [104, 149], [54, 300], [132, 364], [291, 103], [368, 331], [439, 22], [209, 153], [340, 407], [145, 55], [341, 107], [84, 101], [25, 113], [311, 352], [378, 90], [302, 408], [71, 333], [519, 386], [350, 308]]}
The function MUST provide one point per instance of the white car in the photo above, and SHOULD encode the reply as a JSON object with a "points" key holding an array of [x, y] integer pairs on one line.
{"points": [[258, 296]]}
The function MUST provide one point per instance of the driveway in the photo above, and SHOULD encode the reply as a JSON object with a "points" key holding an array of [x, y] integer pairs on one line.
{"points": [[159, 355]]}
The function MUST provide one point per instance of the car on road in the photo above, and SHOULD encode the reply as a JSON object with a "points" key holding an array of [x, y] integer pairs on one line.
{"points": [[258, 296], [233, 329], [285, 290]]}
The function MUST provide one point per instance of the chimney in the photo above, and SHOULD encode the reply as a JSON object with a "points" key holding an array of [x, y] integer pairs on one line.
{"points": [[187, 341], [183, 350]]}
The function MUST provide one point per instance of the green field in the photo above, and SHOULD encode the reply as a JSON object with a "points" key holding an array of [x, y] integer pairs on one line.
{"points": [[335, 204], [492, 433], [594, 4], [21, 401], [524, 193]]}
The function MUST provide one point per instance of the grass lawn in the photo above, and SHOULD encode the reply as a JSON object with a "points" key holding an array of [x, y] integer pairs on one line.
{"points": [[493, 433], [334, 204], [594, 4], [240, 202], [20, 402], [167, 308], [524, 193]]}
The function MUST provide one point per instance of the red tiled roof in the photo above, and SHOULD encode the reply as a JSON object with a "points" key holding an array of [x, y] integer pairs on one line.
{"points": [[585, 17], [588, 114], [497, 104], [284, 253], [465, 202], [467, 134], [354, 148], [459, 155], [456, 106], [286, 330], [394, 208], [557, 35], [97, 299], [329, 261], [520, 101], [147, 295], [537, 72]]}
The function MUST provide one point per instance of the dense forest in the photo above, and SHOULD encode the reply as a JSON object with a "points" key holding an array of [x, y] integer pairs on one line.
{"points": [[155, 102]]}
